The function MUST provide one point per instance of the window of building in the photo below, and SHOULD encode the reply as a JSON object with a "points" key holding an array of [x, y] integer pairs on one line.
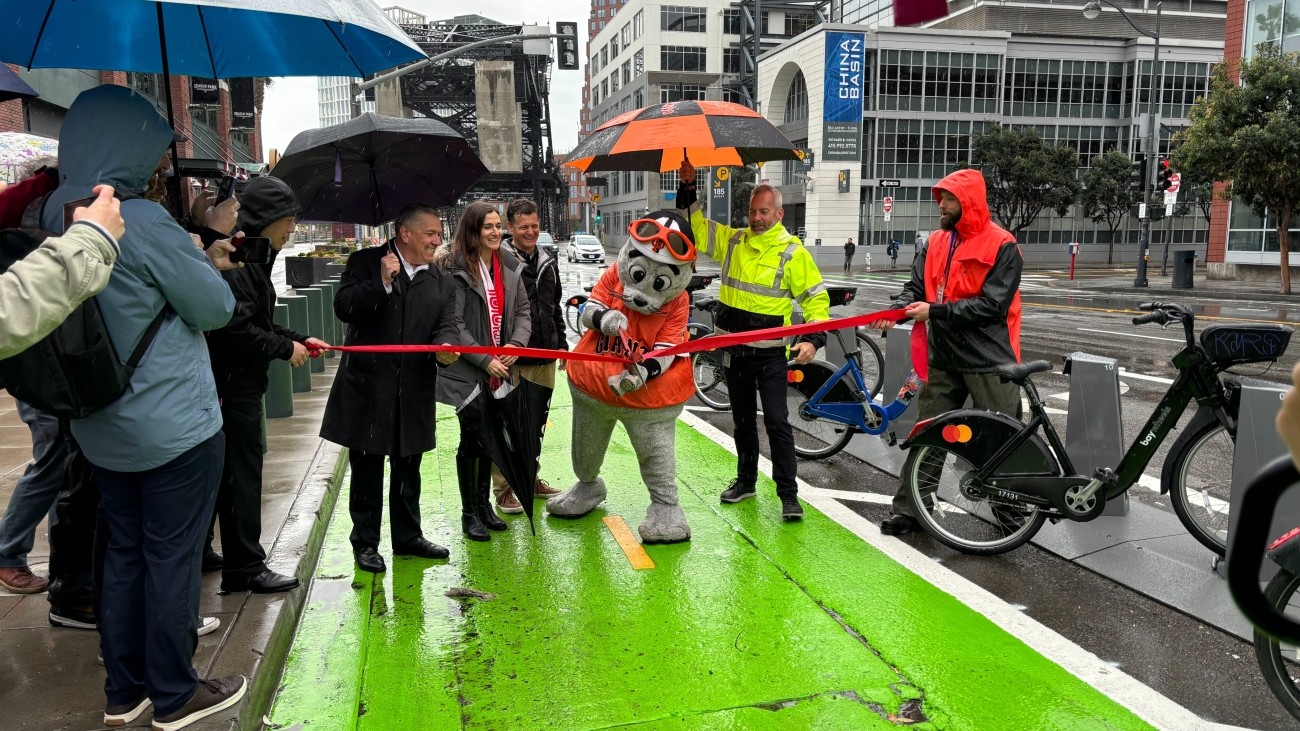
{"points": [[604, 57], [733, 94], [796, 100], [790, 172], [902, 75], [602, 25], [600, 13], [638, 24], [731, 60], [627, 72], [681, 58], [796, 23], [614, 47], [681, 92], [638, 99], [604, 88], [614, 188], [594, 66], [627, 183], [668, 181], [638, 62], [1270, 22], [146, 84], [1033, 87], [613, 82], [640, 181], [626, 34], [731, 21], [682, 18]]}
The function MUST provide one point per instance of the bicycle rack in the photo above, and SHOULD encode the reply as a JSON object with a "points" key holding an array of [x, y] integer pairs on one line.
{"points": [[1257, 445], [1094, 424]]}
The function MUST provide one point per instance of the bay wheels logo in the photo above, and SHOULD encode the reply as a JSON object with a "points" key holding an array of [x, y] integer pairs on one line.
{"points": [[957, 433]]}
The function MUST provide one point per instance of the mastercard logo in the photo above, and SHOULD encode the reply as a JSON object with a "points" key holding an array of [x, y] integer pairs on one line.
{"points": [[957, 433], [794, 377]]}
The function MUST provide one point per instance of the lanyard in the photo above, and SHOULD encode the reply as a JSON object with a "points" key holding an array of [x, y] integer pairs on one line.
{"points": [[947, 269]]}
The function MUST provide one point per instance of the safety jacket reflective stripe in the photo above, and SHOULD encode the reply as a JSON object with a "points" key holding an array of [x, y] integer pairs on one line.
{"points": [[795, 277]]}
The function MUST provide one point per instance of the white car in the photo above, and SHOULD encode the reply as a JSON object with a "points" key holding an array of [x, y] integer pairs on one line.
{"points": [[584, 248]]}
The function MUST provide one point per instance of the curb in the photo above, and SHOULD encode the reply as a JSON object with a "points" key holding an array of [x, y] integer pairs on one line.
{"points": [[296, 551]]}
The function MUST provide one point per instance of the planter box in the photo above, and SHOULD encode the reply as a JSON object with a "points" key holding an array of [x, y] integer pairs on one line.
{"points": [[304, 271]]}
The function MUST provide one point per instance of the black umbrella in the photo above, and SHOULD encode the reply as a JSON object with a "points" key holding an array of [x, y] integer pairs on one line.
{"points": [[369, 168], [13, 87], [512, 430]]}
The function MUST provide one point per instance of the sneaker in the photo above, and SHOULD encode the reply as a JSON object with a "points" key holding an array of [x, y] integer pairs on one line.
{"points": [[509, 504], [213, 696], [73, 617], [123, 713], [790, 508], [208, 625], [736, 492], [21, 580], [542, 489]]}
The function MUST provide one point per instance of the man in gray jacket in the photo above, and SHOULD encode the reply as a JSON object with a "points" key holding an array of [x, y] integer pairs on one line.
{"points": [[156, 451]]}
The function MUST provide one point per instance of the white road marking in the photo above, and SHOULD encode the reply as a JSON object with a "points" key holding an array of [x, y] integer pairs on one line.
{"points": [[1132, 335], [1125, 373], [1143, 701]]}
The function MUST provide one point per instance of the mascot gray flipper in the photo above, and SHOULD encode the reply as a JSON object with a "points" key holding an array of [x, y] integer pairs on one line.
{"points": [[639, 305]]}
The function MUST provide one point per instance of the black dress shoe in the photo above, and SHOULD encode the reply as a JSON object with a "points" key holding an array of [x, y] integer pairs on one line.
{"points": [[489, 518], [266, 582], [368, 559], [897, 525], [423, 549], [212, 561]]}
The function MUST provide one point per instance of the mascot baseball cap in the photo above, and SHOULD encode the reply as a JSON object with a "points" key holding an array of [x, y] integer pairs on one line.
{"points": [[663, 236]]}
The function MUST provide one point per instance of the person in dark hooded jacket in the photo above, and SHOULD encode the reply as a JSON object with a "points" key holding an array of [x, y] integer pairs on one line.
{"points": [[965, 292], [241, 354]]}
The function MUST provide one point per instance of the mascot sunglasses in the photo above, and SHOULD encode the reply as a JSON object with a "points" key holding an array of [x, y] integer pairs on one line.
{"points": [[659, 236]]}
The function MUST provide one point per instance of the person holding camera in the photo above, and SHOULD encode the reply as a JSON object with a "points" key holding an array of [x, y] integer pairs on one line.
{"points": [[241, 354]]}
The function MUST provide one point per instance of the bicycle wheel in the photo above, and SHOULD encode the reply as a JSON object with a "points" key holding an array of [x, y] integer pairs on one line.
{"points": [[870, 361], [814, 437], [1201, 489], [573, 317], [710, 381], [1280, 662], [932, 479]]}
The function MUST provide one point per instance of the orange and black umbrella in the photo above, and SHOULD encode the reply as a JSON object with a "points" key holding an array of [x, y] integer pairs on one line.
{"points": [[658, 138]]}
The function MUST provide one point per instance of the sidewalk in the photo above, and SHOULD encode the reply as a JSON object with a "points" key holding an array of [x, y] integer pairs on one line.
{"points": [[49, 678]]}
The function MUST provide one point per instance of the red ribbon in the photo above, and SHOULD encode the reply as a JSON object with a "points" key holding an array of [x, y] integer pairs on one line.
{"points": [[712, 342]]}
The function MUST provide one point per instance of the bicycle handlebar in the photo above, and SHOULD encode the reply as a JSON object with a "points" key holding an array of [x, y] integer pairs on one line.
{"points": [[1165, 313], [1158, 316]]}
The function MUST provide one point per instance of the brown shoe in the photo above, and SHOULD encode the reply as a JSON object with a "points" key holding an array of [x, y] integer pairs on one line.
{"points": [[21, 580], [509, 504], [543, 489], [212, 696]]}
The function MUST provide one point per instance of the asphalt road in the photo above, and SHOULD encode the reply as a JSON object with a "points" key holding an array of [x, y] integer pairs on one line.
{"points": [[1209, 671]]}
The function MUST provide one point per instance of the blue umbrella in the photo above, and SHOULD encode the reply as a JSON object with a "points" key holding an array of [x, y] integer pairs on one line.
{"points": [[211, 38], [12, 87]]}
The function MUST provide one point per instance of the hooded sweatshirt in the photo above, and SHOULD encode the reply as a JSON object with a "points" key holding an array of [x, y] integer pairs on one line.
{"points": [[112, 135], [971, 278], [242, 350]]}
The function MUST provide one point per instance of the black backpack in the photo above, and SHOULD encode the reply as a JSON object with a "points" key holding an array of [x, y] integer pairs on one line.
{"points": [[74, 371]]}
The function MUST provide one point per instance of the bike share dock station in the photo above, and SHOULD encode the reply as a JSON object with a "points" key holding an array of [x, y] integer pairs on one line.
{"points": [[1137, 545]]}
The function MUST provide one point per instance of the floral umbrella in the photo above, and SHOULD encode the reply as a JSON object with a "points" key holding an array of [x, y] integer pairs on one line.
{"points": [[21, 154]]}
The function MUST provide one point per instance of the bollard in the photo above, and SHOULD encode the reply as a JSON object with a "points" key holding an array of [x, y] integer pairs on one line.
{"points": [[1094, 427], [298, 322], [329, 323], [315, 320], [340, 327], [279, 388], [1257, 445], [898, 365]]}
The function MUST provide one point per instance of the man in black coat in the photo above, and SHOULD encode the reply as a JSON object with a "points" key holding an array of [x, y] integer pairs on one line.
{"points": [[382, 404], [541, 275], [241, 353]]}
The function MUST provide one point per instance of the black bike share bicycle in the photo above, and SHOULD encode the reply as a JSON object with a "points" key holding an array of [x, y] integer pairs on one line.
{"points": [[983, 483]]}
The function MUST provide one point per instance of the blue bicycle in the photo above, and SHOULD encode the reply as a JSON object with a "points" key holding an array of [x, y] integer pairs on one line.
{"points": [[829, 405]]}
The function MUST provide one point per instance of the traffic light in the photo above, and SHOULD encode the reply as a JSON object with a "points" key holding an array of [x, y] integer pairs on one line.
{"points": [[597, 218], [567, 46], [1139, 176], [1165, 179]]}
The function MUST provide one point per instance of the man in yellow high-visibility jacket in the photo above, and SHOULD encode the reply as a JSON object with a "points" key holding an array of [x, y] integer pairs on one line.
{"points": [[765, 271]]}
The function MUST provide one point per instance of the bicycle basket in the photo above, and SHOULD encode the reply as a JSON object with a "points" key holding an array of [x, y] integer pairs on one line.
{"points": [[1229, 345], [841, 295]]}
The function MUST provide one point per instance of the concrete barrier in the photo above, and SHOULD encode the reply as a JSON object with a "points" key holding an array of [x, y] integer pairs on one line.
{"points": [[279, 388], [315, 320], [329, 323], [298, 321]]}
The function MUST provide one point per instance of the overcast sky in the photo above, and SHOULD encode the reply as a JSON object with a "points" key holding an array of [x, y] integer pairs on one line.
{"points": [[290, 105]]}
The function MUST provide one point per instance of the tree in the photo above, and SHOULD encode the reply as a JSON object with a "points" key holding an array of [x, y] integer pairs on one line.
{"points": [[1025, 175], [1108, 195], [1248, 136]]}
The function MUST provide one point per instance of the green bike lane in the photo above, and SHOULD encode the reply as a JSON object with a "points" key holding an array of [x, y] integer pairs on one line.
{"points": [[753, 624]]}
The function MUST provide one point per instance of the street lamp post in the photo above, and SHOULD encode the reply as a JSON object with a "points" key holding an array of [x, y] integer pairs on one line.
{"points": [[1091, 11]]}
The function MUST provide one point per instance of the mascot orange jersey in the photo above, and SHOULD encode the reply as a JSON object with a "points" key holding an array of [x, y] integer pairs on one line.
{"points": [[644, 333]]}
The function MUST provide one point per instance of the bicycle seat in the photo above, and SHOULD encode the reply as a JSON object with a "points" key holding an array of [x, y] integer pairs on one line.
{"points": [[1020, 372]]}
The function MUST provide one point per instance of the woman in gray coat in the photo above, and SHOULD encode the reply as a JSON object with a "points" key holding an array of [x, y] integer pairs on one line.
{"points": [[491, 309]]}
